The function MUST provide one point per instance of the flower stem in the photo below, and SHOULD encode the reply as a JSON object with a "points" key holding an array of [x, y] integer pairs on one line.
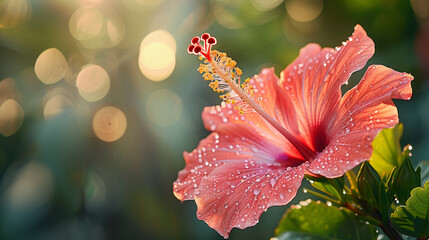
{"points": [[362, 214], [323, 196], [387, 228], [390, 231]]}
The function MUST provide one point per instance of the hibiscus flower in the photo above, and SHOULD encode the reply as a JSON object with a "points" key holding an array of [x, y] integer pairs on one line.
{"points": [[269, 132]]}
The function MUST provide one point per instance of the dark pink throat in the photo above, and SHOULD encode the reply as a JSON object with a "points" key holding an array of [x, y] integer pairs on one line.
{"points": [[319, 138]]}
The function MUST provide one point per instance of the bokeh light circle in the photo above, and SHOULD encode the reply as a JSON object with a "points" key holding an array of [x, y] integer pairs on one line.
{"points": [[50, 66], [11, 117], [161, 36], [304, 10], [109, 124], [227, 17], [97, 27], [164, 107], [266, 5], [55, 106], [157, 55], [93, 83], [86, 23]]}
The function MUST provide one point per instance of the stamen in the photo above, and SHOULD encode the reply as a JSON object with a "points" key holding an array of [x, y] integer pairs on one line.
{"points": [[225, 77]]}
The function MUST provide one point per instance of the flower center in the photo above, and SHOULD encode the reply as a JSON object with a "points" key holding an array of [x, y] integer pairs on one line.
{"points": [[225, 77]]}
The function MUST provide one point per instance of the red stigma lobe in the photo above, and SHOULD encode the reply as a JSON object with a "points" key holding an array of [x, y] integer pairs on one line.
{"points": [[197, 48]]}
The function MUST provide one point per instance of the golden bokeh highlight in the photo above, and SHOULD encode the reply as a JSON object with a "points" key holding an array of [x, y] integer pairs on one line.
{"points": [[86, 23], [50, 66], [304, 10], [157, 57], [97, 28], [55, 105], [109, 124], [93, 83], [13, 12], [266, 5], [160, 36], [164, 107], [226, 18], [11, 117]]}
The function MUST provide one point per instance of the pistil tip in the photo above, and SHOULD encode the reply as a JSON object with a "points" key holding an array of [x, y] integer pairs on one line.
{"points": [[204, 49]]}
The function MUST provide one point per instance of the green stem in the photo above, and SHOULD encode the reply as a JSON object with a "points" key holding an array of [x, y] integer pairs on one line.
{"points": [[390, 231], [387, 228], [323, 196], [362, 214]]}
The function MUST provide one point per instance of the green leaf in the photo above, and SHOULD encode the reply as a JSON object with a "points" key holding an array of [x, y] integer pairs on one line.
{"points": [[368, 182], [386, 150], [331, 186], [424, 171], [413, 218], [321, 221], [407, 179], [385, 199], [391, 181], [300, 236]]}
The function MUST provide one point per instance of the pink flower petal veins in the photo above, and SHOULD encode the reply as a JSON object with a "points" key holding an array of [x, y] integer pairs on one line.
{"points": [[247, 193], [231, 143], [246, 165], [314, 79], [364, 110], [272, 100]]}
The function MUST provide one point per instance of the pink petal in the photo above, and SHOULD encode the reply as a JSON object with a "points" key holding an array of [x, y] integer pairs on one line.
{"points": [[314, 79], [364, 111], [198, 165], [271, 98], [232, 163]]}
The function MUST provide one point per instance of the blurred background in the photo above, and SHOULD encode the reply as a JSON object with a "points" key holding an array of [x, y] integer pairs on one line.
{"points": [[99, 98]]}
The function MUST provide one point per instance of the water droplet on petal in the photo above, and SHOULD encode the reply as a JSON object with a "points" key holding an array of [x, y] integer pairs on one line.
{"points": [[273, 182], [254, 148]]}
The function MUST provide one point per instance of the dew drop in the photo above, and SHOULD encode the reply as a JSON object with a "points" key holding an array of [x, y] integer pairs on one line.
{"points": [[273, 182], [256, 192], [254, 148]]}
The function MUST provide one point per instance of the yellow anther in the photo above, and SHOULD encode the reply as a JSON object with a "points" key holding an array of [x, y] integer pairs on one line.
{"points": [[238, 71]]}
